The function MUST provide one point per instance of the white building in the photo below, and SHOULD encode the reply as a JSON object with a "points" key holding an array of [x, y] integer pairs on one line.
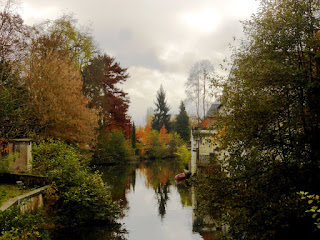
{"points": [[203, 146]]}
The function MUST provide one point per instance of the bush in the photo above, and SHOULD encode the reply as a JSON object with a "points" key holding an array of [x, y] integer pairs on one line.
{"points": [[175, 142], [24, 226], [112, 148], [184, 154], [155, 145], [77, 195], [5, 162], [156, 149]]}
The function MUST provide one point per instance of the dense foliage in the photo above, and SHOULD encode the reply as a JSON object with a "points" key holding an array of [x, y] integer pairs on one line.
{"points": [[56, 100], [154, 145], [77, 195], [13, 106], [77, 39], [16, 226], [270, 125], [184, 155], [101, 83], [133, 136], [53, 85], [112, 147]]}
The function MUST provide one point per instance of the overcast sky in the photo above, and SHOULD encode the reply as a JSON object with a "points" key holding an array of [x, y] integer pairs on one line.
{"points": [[157, 40]]}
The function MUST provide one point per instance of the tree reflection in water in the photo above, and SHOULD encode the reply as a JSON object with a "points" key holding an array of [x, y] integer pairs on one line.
{"points": [[162, 195], [119, 179], [153, 204], [159, 175]]}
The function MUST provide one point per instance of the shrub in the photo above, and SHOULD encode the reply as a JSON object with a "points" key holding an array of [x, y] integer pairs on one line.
{"points": [[5, 162], [112, 148], [79, 195], [184, 154], [24, 226]]}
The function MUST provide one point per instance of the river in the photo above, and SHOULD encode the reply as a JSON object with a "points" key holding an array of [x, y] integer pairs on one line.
{"points": [[154, 205]]}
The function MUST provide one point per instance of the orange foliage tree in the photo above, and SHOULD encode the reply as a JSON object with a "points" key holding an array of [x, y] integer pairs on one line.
{"points": [[143, 136], [154, 144], [55, 87], [164, 137]]}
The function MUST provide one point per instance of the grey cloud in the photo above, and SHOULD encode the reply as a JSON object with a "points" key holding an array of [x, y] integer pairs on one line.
{"points": [[153, 41]]}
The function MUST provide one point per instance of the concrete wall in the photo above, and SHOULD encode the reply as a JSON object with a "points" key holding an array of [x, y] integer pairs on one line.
{"points": [[28, 202], [22, 147]]}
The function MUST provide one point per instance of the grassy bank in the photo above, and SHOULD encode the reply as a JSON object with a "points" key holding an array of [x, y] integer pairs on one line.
{"points": [[8, 191]]}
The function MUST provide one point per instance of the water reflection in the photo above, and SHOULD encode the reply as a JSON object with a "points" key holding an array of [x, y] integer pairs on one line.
{"points": [[155, 206]]}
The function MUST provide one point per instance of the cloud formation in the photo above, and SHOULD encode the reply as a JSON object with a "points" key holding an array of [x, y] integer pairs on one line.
{"points": [[158, 41]]}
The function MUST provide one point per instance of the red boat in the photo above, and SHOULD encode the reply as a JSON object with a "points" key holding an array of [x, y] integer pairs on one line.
{"points": [[180, 176]]}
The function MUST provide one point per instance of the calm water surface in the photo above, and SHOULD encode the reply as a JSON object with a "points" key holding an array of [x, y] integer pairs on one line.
{"points": [[155, 206]]}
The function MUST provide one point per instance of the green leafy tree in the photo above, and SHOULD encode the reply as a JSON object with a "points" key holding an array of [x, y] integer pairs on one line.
{"points": [[13, 105], [271, 125], [76, 39], [182, 126], [161, 114], [111, 148]]}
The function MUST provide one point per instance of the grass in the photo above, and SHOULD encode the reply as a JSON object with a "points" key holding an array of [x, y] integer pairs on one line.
{"points": [[8, 191]]}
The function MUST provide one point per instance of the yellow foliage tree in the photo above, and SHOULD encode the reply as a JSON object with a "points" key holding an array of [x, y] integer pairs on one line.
{"points": [[57, 101]]}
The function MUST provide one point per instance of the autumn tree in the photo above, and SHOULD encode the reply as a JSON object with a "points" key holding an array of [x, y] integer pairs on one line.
{"points": [[197, 87], [182, 126], [101, 83], [14, 34], [161, 113], [75, 38], [14, 118], [164, 137], [57, 102], [149, 116]]}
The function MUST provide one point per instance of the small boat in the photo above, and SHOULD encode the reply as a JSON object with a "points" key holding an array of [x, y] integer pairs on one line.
{"points": [[180, 176], [187, 173]]}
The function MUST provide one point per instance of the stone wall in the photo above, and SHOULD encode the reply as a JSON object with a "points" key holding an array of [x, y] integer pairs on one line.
{"points": [[28, 180], [21, 147]]}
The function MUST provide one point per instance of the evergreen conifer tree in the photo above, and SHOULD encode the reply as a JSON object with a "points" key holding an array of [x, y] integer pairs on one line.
{"points": [[182, 123], [161, 114], [133, 136]]}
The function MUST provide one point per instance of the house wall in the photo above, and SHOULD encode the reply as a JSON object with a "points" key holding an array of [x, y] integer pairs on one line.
{"points": [[202, 145]]}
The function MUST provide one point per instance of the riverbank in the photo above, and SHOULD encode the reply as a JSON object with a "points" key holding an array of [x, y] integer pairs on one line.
{"points": [[8, 191], [76, 195]]}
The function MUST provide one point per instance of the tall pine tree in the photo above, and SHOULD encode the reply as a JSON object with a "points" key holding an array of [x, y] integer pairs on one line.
{"points": [[161, 114], [182, 125], [133, 136]]}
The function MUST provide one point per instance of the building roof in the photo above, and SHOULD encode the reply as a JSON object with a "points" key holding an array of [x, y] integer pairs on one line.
{"points": [[212, 112]]}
